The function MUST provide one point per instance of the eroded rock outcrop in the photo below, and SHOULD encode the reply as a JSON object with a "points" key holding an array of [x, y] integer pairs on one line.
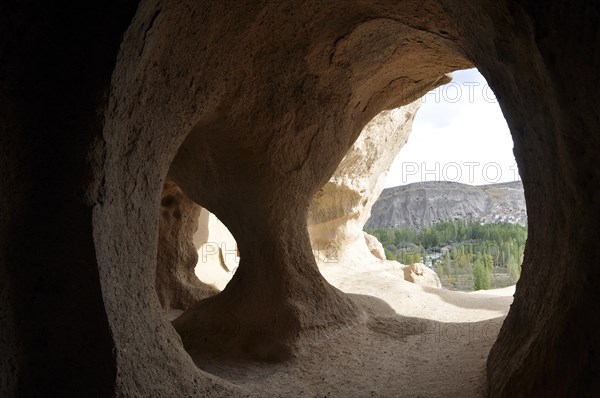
{"points": [[422, 204], [277, 295], [340, 209], [176, 283]]}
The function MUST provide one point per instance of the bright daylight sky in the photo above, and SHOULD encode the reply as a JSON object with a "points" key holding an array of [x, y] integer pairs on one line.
{"points": [[459, 134]]}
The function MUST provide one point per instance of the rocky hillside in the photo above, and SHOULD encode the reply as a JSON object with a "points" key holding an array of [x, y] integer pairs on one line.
{"points": [[425, 203]]}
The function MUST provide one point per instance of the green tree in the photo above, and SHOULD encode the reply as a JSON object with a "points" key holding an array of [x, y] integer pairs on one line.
{"points": [[479, 276], [409, 257], [389, 255], [514, 268], [482, 271], [472, 247]]}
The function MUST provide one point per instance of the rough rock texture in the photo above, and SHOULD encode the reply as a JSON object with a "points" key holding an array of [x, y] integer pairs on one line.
{"points": [[340, 209], [375, 246], [422, 204], [98, 98], [421, 275], [176, 283], [217, 251], [55, 334]]}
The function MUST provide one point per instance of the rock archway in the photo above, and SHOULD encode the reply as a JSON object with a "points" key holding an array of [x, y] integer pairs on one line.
{"points": [[262, 102], [177, 286], [257, 167]]}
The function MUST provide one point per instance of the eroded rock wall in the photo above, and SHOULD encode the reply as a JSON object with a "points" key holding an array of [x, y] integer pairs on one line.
{"points": [[269, 97], [264, 203], [177, 286], [342, 206], [55, 335]]}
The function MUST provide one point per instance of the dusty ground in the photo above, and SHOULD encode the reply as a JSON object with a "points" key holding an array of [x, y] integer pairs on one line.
{"points": [[414, 342]]}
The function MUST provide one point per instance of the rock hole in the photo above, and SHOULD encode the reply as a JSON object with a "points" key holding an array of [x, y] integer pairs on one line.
{"points": [[456, 126]]}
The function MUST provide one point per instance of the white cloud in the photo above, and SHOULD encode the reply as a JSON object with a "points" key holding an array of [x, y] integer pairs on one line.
{"points": [[459, 134]]}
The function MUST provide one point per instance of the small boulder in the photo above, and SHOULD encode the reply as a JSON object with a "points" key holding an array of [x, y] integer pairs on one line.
{"points": [[421, 275], [375, 246]]}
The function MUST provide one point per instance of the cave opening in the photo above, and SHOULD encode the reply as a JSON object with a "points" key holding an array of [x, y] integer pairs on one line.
{"points": [[218, 254], [280, 153], [268, 98], [362, 261], [196, 253], [453, 199], [463, 328], [220, 323]]}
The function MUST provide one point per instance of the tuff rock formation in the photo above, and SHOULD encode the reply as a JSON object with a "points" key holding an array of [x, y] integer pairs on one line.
{"points": [[340, 209], [177, 286], [421, 275], [422, 204], [253, 106], [338, 212]]}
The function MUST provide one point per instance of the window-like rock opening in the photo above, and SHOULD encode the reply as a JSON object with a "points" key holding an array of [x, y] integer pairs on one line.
{"points": [[258, 169], [462, 326], [218, 255], [177, 286], [257, 314], [196, 254], [454, 201]]}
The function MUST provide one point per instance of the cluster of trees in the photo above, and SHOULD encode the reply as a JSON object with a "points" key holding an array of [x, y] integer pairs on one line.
{"points": [[457, 248]]}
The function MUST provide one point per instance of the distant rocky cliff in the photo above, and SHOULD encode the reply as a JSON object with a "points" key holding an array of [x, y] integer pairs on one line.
{"points": [[425, 203]]}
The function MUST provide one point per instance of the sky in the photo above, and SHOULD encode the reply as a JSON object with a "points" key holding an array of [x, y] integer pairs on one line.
{"points": [[459, 134]]}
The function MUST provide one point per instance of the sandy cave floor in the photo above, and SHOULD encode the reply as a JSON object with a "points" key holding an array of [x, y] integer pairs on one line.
{"points": [[415, 342]]}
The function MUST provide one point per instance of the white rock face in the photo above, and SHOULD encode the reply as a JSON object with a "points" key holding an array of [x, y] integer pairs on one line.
{"points": [[420, 274], [422, 204], [217, 251], [340, 210]]}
